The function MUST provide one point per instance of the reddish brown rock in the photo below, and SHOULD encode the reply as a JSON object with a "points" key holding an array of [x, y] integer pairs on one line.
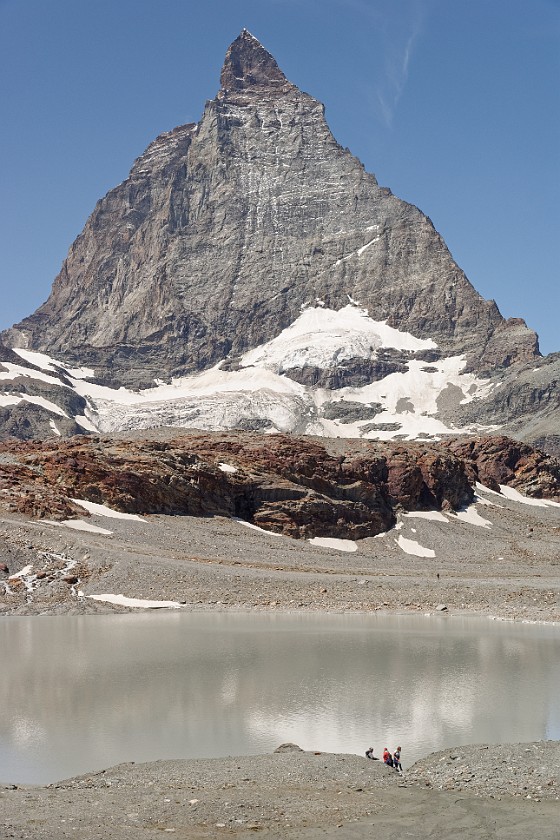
{"points": [[495, 460], [284, 484]]}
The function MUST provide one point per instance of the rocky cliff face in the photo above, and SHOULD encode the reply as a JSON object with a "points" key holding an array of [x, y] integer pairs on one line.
{"points": [[225, 231]]}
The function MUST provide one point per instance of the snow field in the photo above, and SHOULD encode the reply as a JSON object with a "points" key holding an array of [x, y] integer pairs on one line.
{"points": [[216, 399]]}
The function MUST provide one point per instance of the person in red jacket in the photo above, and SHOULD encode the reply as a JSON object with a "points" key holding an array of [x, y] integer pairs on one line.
{"points": [[387, 757]]}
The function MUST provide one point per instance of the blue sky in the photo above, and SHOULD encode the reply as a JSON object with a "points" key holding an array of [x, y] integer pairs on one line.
{"points": [[453, 104]]}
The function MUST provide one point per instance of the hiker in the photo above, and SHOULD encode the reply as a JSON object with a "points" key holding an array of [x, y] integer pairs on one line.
{"points": [[369, 754], [387, 757], [397, 760]]}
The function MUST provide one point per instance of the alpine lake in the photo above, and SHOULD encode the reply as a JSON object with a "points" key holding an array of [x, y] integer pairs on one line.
{"points": [[83, 693]]}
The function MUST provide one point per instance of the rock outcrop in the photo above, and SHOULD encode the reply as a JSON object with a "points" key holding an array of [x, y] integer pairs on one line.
{"points": [[498, 460], [288, 485]]}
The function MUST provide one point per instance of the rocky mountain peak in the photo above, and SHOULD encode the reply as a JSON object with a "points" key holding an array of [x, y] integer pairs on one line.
{"points": [[248, 65], [250, 274]]}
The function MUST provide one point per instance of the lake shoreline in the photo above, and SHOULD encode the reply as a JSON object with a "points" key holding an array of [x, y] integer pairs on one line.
{"points": [[290, 793]]}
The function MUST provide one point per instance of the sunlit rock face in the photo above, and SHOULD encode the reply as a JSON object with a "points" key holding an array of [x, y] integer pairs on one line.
{"points": [[225, 229], [223, 236]]}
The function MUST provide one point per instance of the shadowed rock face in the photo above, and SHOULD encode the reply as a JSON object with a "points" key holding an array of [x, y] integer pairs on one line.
{"points": [[288, 485], [225, 229]]}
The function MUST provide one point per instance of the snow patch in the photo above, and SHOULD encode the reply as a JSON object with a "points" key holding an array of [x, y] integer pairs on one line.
{"points": [[9, 399], [433, 515], [80, 372], [333, 542], [28, 579], [255, 527], [227, 468], [482, 489], [103, 510], [358, 252], [472, 516], [22, 572], [13, 371], [78, 525], [413, 547], [479, 500], [54, 427], [123, 601], [40, 360], [46, 404], [85, 423], [420, 386], [361, 250], [516, 496]]}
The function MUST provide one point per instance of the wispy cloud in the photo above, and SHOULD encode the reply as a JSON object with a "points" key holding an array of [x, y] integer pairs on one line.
{"points": [[397, 25], [399, 49]]}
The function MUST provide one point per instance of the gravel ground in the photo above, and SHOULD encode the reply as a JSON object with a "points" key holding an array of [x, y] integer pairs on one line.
{"points": [[510, 569], [531, 771], [294, 794]]}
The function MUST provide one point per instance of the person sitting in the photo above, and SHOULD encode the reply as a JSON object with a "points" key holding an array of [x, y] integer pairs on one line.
{"points": [[387, 757], [369, 754]]}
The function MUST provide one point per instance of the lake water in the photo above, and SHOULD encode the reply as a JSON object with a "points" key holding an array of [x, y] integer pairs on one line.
{"points": [[81, 693]]}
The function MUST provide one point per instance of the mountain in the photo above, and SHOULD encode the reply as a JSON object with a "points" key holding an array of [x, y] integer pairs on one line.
{"points": [[250, 274]]}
